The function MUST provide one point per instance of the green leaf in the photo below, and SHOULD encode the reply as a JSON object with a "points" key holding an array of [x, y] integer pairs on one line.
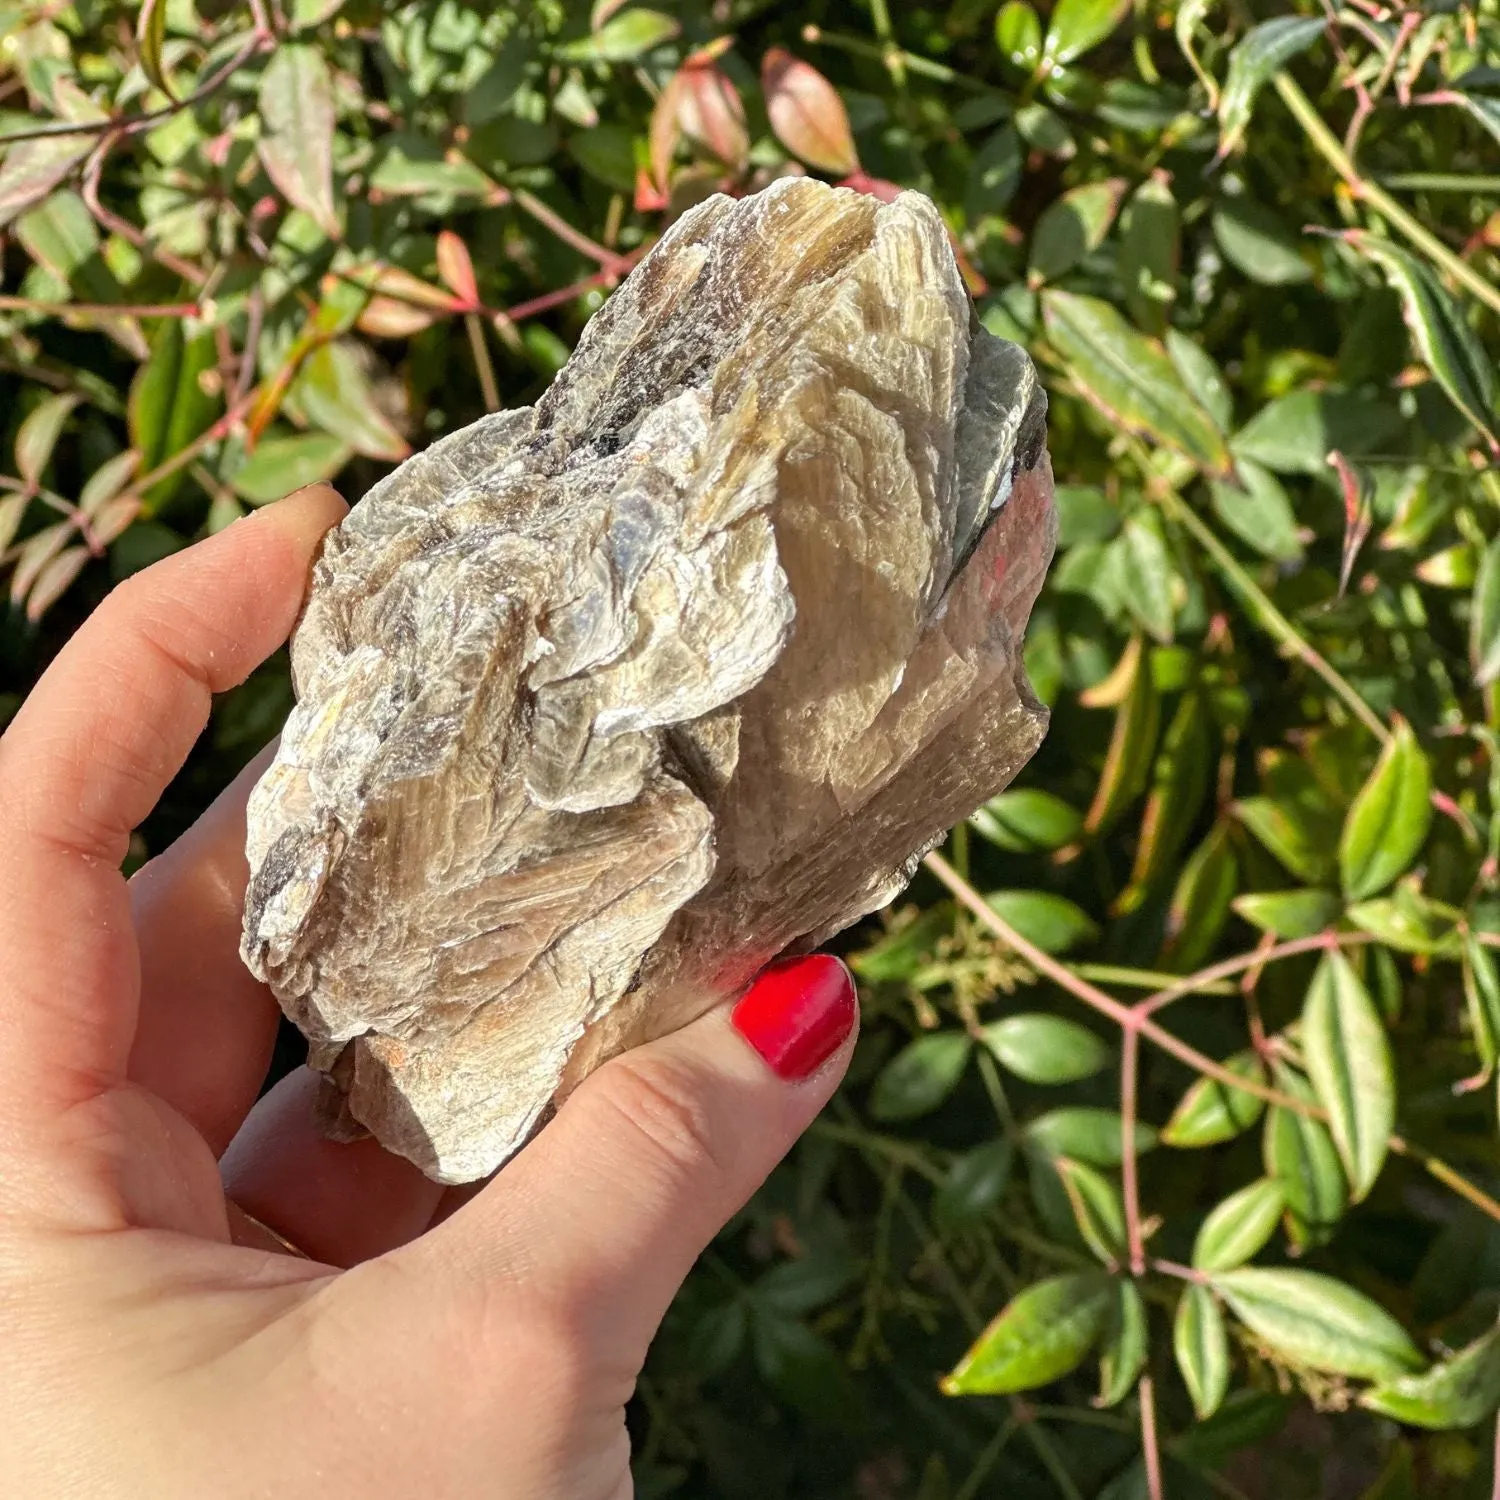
{"points": [[1448, 345], [37, 436], [1043, 1334], [1146, 573], [1212, 1111], [1238, 1228], [805, 1370], [1018, 34], [1261, 52], [994, 174], [974, 1185], [60, 234], [1086, 1134], [1097, 1209], [1190, 16], [150, 35], [1297, 835], [1149, 253], [1179, 783], [283, 464], [408, 165], [899, 954], [1130, 377], [1199, 373], [1029, 821], [623, 38], [1045, 1049], [1245, 1417], [1123, 1355], [1078, 25], [920, 1076], [334, 392], [1316, 1322], [1256, 242], [1052, 922], [1484, 618], [1388, 821], [1200, 901], [1072, 227], [608, 153], [1296, 433], [170, 405], [1290, 914], [297, 115], [1482, 996], [1405, 921], [1200, 1342], [1348, 1059], [1258, 511], [1132, 744], [1299, 1153], [1461, 1391], [31, 169]]}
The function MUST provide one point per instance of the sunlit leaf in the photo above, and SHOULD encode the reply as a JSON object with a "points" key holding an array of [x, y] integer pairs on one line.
{"points": [[1077, 25], [1149, 254], [1132, 745], [297, 112], [37, 436], [1130, 377], [807, 114], [54, 580], [624, 37], [1200, 900], [1097, 1209], [1028, 820], [1073, 226], [1387, 823], [280, 465], [1258, 511], [1200, 1342], [1260, 53], [1290, 914], [1125, 1348], [1320, 1323], [1299, 1153], [1482, 996], [1448, 345], [336, 395], [31, 169], [1052, 922], [1239, 1227], [1179, 783], [1457, 1392], [150, 35], [1211, 1111], [1484, 617], [1256, 242], [1045, 1332], [171, 402], [1086, 1134], [1018, 34], [1349, 1063]]}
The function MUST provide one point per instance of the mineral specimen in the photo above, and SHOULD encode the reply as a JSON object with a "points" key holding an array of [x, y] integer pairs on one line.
{"points": [[605, 702]]}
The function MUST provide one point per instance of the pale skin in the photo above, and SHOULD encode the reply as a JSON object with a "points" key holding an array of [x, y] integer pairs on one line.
{"points": [[156, 1342]]}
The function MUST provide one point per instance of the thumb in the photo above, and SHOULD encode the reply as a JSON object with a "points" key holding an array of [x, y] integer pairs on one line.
{"points": [[604, 1213]]}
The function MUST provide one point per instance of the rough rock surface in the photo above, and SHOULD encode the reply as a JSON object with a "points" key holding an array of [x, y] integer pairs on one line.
{"points": [[605, 702]]}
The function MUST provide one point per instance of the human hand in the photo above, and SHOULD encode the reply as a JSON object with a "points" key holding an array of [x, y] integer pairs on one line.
{"points": [[158, 1343]]}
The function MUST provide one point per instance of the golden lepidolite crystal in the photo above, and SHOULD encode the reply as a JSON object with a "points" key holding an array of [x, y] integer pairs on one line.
{"points": [[605, 702]]}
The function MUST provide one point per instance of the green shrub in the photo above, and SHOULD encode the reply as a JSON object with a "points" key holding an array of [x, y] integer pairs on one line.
{"points": [[1196, 1100]]}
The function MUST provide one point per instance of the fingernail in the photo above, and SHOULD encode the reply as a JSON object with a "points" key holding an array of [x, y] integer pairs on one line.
{"points": [[798, 1013]]}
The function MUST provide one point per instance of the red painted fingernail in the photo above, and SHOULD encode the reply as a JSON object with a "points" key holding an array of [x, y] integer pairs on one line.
{"points": [[797, 1013]]}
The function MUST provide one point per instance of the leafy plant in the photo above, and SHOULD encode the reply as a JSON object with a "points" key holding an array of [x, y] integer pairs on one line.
{"points": [[1175, 1094]]}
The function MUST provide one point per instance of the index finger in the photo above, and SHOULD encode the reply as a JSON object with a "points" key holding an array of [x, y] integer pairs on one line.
{"points": [[85, 759]]}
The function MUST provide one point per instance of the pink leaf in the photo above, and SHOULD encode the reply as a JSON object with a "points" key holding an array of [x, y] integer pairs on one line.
{"points": [[457, 269], [807, 114]]}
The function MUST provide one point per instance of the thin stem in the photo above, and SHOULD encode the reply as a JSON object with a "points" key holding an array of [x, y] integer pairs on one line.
{"points": [[1150, 1446], [987, 1459], [924, 67], [1145, 979], [101, 309], [1333, 153], [1439, 182], [566, 232], [1130, 1018], [109, 220], [134, 124], [482, 363], [556, 298], [1193, 984], [1130, 1186], [867, 1140], [1271, 618]]}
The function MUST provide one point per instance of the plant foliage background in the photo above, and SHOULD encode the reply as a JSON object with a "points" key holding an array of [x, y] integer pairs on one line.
{"points": [[1175, 1106]]}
